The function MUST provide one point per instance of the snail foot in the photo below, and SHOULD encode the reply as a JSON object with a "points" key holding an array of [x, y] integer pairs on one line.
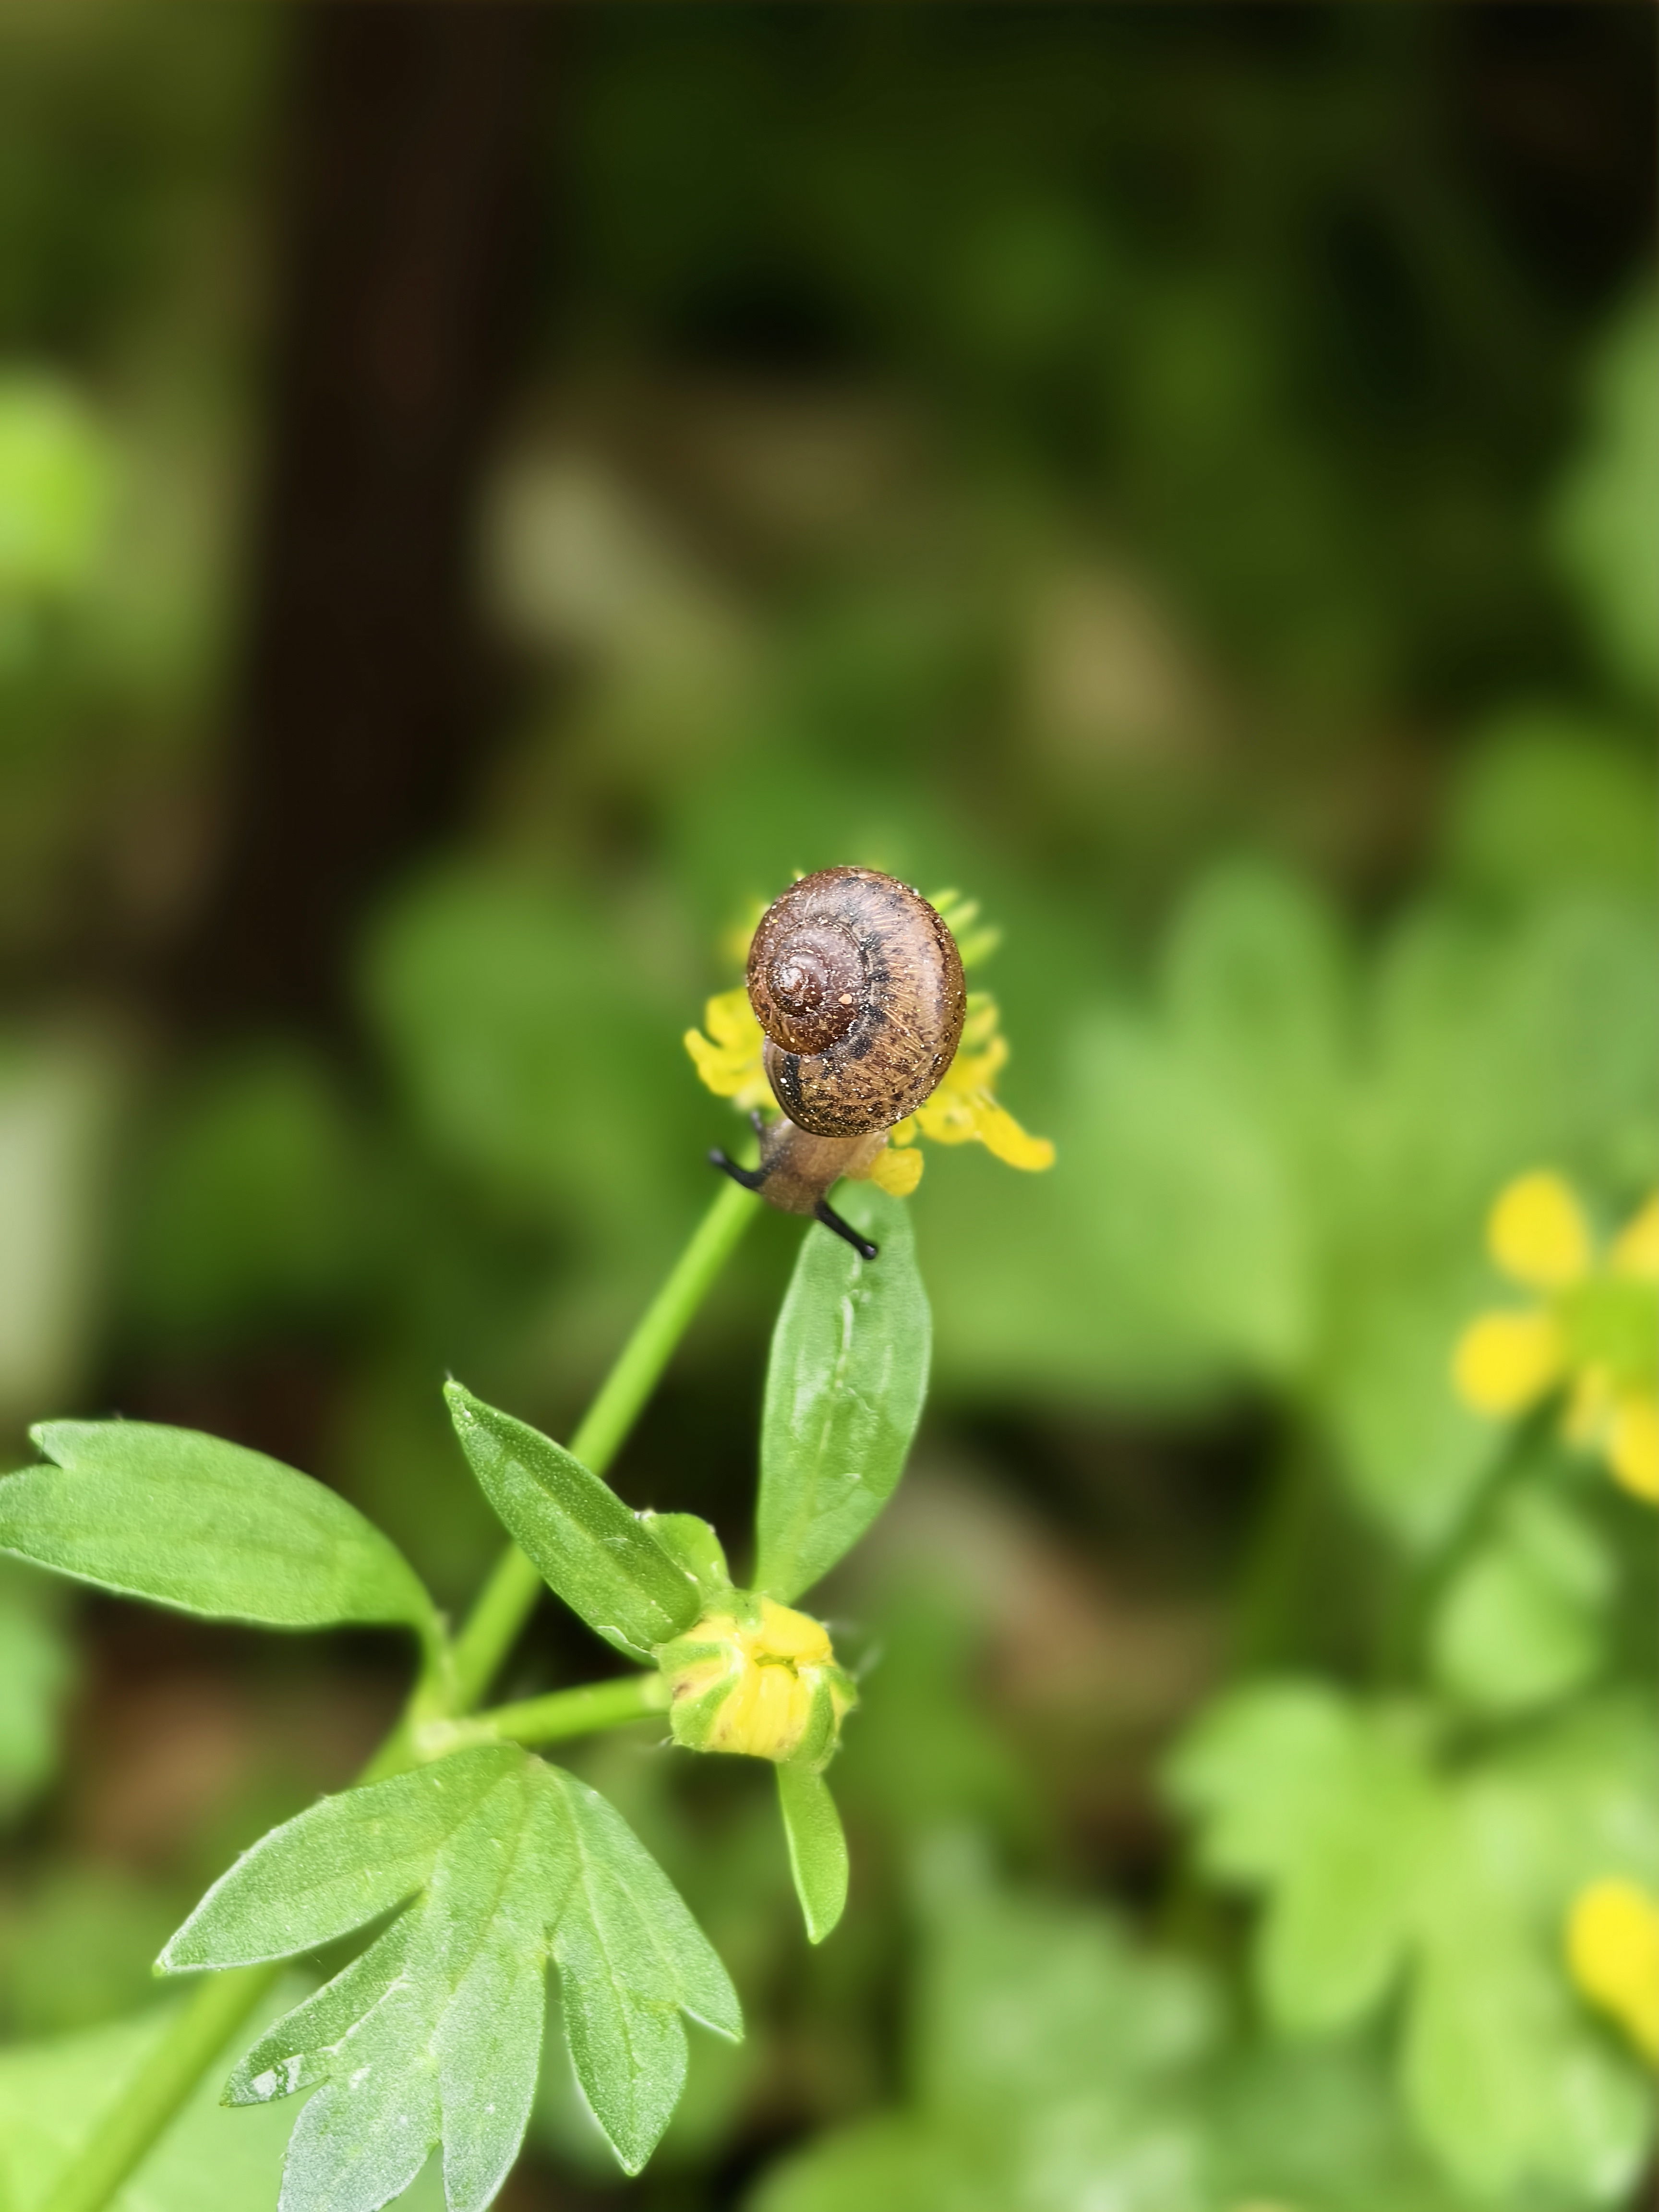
{"points": [[826, 1213]]}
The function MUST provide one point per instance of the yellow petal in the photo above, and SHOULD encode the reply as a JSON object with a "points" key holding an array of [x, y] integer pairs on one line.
{"points": [[1002, 1136], [896, 1173], [730, 1020], [1505, 1360], [947, 1118], [728, 1059], [1613, 1954], [786, 1634], [734, 942], [1633, 1445], [1538, 1234], [904, 1131], [710, 1061], [1636, 1248]]}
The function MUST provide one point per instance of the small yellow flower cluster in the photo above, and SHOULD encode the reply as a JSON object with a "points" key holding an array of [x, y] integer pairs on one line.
{"points": [[1594, 1327], [962, 1111], [760, 1679], [1613, 1954]]}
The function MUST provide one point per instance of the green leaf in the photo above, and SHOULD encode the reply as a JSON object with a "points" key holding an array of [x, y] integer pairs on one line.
{"points": [[205, 1526], [54, 2097], [339, 1863], [432, 2035], [1524, 1619], [818, 1848], [1369, 1861], [1508, 2078], [589, 1548], [1332, 1809], [844, 1391], [1606, 532], [34, 1674], [696, 1550], [893, 2163], [1049, 2062]]}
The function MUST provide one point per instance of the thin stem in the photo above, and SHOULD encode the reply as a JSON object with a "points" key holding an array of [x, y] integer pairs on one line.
{"points": [[207, 2020], [1277, 1559], [552, 1718], [198, 2032], [505, 1602]]}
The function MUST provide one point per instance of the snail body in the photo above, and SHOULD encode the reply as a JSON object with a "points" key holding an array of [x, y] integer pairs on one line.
{"points": [[857, 984]]}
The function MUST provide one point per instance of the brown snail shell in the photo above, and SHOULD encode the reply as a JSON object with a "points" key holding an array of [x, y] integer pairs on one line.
{"points": [[857, 983]]}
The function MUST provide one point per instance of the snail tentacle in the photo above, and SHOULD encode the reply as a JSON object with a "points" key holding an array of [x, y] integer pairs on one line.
{"points": [[826, 1213]]}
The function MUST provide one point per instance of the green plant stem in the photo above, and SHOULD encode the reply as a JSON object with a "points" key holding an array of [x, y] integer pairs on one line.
{"points": [[505, 1602], [1278, 1558], [199, 2031], [207, 2020], [552, 1718]]}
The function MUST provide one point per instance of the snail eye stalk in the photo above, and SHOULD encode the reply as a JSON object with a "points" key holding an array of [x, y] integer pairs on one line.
{"points": [[751, 1178], [826, 1213]]}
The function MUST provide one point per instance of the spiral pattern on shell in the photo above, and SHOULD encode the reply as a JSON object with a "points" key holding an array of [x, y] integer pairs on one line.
{"points": [[857, 983]]}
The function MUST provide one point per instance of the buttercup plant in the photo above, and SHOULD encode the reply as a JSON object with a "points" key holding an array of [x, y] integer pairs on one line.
{"points": [[492, 1860]]}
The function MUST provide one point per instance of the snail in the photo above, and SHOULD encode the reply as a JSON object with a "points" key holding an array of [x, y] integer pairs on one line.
{"points": [[857, 984]]}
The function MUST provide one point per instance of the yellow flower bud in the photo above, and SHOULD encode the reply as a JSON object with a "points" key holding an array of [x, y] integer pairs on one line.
{"points": [[760, 1680]]}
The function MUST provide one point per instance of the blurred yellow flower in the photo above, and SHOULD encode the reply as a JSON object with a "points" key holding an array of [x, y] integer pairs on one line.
{"points": [[962, 1111], [1613, 1954], [1594, 1328]]}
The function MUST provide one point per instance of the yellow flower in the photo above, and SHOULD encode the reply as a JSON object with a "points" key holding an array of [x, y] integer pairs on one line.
{"points": [[1613, 1954], [962, 1111], [1593, 1328]]}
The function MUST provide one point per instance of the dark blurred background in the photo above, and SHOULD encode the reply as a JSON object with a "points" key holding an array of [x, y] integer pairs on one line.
{"points": [[485, 493]]}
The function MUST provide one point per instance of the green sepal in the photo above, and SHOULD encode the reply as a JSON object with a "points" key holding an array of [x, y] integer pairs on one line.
{"points": [[589, 1546], [189, 1520], [835, 1696], [818, 1848], [844, 1390]]}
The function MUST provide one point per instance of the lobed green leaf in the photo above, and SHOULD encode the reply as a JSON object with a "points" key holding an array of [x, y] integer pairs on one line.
{"points": [[1332, 1809], [844, 1392], [818, 1848], [1506, 2076], [589, 1546], [1370, 1862], [209, 1527], [433, 2035], [339, 1863], [1525, 1618]]}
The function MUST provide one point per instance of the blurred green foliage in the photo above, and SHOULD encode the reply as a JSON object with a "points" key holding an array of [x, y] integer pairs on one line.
{"points": [[1179, 475]]}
